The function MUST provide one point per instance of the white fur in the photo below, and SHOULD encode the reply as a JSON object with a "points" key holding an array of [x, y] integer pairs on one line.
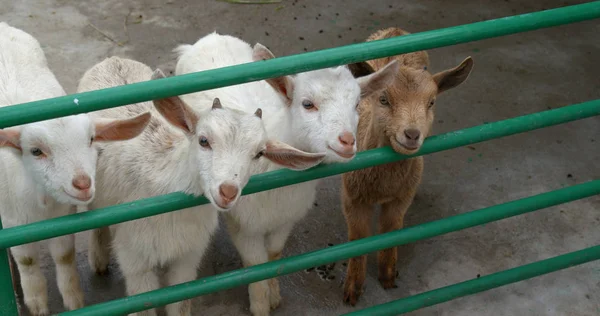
{"points": [[35, 188], [31, 189], [166, 159], [260, 224]]}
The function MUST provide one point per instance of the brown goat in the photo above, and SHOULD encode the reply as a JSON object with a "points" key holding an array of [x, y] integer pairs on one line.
{"points": [[399, 116]]}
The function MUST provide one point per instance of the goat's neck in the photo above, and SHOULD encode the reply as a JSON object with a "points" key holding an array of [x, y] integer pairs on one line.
{"points": [[287, 130], [177, 169], [280, 126], [43, 199], [374, 136]]}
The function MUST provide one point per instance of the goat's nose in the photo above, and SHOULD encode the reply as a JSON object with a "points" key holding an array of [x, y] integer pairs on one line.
{"points": [[228, 191], [82, 182], [347, 139], [412, 134]]}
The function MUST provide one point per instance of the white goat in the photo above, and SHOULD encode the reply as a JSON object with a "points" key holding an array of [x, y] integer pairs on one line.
{"points": [[315, 111], [210, 152], [46, 167]]}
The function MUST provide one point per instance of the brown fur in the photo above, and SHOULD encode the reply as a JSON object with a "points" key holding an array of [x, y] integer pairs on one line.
{"points": [[68, 258], [384, 120], [27, 261], [274, 256]]}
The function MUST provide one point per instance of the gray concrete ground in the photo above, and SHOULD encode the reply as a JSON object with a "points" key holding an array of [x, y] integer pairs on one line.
{"points": [[513, 75]]}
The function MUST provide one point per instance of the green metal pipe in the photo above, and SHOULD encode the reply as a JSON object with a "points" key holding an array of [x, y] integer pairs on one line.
{"points": [[355, 248], [8, 301], [206, 80], [166, 203], [481, 284]]}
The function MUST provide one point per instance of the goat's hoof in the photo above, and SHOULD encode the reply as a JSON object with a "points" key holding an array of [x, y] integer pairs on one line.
{"points": [[352, 292], [37, 307], [99, 268], [388, 283], [101, 271], [98, 263]]}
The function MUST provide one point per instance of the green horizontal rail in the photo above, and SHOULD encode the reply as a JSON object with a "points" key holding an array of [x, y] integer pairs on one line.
{"points": [[355, 248], [8, 301], [166, 203], [481, 284], [215, 78]]}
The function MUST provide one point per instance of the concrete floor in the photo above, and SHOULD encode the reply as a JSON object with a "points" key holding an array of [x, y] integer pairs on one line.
{"points": [[513, 75]]}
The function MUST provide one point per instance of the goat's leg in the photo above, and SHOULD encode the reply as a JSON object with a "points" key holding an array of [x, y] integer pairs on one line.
{"points": [[99, 249], [180, 271], [14, 276], [139, 275], [33, 282], [63, 253], [275, 243], [390, 219], [253, 251], [16, 282], [358, 219]]}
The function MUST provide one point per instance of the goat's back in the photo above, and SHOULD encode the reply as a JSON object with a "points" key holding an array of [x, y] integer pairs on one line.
{"points": [[213, 51], [114, 72], [24, 74], [216, 51], [418, 59]]}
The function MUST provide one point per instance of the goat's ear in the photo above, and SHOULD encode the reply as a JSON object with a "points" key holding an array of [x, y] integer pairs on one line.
{"points": [[451, 78], [175, 111], [290, 157], [114, 130], [379, 80], [10, 137], [260, 52], [360, 69], [284, 85]]}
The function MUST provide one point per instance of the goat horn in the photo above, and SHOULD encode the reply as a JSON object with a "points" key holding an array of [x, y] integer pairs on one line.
{"points": [[217, 104]]}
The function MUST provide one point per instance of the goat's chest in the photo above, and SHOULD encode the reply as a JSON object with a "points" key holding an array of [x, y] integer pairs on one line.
{"points": [[164, 238], [21, 204], [383, 183], [268, 211]]}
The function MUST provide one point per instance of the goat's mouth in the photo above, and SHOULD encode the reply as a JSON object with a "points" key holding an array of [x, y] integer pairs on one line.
{"points": [[412, 148], [87, 198], [224, 205], [342, 154]]}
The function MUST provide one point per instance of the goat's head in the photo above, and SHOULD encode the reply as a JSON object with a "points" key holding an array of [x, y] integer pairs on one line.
{"points": [[404, 110], [225, 145], [60, 154], [324, 105]]}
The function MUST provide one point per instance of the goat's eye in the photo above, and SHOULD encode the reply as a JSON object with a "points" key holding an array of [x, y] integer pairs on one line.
{"points": [[308, 105], [383, 100], [36, 152], [260, 154], [431, 103], [91, 140], [204, 142]]}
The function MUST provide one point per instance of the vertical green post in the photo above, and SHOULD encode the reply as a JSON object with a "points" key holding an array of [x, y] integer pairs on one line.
{"points": [[8, 301]]}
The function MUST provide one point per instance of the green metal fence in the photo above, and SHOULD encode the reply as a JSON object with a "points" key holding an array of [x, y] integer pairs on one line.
{"points": [[112, 97]]}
